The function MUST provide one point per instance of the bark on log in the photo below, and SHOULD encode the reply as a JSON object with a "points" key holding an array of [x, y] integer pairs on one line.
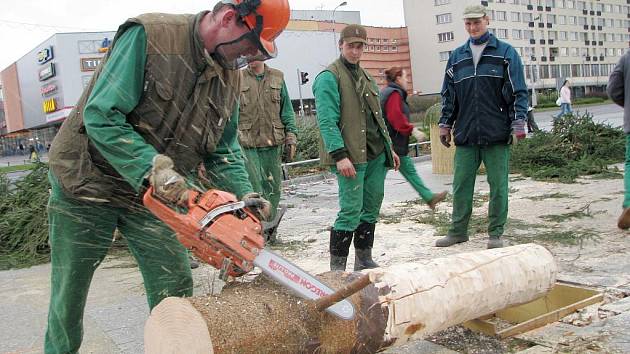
{"points": [[407, 301]]}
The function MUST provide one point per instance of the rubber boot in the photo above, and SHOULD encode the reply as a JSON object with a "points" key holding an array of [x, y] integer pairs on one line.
{"points": [[495, 242], [339, 248], [450, 240], [363, 242], [624, 219]]}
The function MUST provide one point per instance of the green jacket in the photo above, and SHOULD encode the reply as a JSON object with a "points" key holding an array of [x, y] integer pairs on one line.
{"points": [[155, 92], [343, 123], [266, 113]]}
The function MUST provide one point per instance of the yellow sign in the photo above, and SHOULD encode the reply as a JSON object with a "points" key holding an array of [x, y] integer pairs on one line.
{"points": [[49, 105]]}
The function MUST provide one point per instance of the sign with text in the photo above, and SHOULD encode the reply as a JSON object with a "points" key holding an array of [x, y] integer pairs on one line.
{"points": [[48, 89], [47, 72], [45, 55], [90, 64]]}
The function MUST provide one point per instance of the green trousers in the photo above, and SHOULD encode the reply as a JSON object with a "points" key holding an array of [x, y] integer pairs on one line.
{"points": [[80, 236], [264, 166], [496, 159], [408, 170], [626, 174], [360, 198]]}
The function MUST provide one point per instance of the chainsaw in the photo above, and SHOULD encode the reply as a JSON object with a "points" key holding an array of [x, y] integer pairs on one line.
{"points": [[221, 230]]}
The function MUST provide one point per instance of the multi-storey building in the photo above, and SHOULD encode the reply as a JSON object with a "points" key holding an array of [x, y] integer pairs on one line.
{"points": [[579, 40], [387, 46]]}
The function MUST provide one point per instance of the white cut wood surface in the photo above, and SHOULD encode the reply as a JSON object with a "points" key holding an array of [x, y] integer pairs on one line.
{"points": [[432, 295], [176, 327]]}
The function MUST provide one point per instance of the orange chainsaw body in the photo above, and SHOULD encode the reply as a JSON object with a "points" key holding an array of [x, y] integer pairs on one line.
{"points": [[228, 240]]}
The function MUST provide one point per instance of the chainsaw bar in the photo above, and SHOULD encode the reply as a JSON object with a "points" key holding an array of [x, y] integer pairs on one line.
{"points": [[300, 282]]}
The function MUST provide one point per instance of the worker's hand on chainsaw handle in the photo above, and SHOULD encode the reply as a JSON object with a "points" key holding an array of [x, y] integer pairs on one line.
{"points": [[259, 205], [168, 184]]}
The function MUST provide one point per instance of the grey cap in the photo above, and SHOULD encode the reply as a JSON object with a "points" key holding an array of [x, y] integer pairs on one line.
{"points": [[474, 11]]}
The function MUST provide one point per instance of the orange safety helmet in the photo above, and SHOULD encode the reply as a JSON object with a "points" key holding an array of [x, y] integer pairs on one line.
{"points": [[266, 18]]}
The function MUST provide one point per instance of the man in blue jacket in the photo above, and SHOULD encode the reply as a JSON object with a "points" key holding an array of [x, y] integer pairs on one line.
{"points": [[484, 104]]}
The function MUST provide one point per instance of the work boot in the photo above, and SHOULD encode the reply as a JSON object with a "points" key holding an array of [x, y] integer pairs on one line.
{"points": [[624, 219], [339, 247], [194, 264], [363, 242], [495, 242], [437, 197], [363, 259], [338, 263], [450, 240]]}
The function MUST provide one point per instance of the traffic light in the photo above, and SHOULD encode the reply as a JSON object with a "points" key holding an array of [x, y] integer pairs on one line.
{"points": [[303, 77]]}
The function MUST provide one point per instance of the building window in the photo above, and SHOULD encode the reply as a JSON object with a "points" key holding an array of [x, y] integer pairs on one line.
{"points": [[544, 71], [445, 36], [444, 56], [527, 17], [563, 36], [444, 18], [570, 4], [564, 52], [551, 19], [555, 71], [516, 34], [442, 2], [574, 52], [552, 35], [573, 36], [377, 48], [562, 20], [516, 2], [528, 34], [502, 33], [572, 20], [565, 70], [516, 17], [394, 48], [501, 16]]}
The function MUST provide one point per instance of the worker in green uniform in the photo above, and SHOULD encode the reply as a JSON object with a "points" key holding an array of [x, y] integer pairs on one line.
{"points": [[163, 103], [266, 125], [357, 147]]}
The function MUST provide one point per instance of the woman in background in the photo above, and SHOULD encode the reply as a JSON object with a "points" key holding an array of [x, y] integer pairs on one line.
{"points": [[396, 111]]}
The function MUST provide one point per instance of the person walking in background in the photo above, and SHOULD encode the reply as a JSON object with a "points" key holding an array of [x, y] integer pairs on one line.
{"points": [[33, 156], [565, 99], [617, 82], [266, 126], [357, 147], [396, 112], [484, 102]]}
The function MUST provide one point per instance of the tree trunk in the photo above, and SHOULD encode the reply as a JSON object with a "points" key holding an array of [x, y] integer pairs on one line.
{"points": [[407, 301]]}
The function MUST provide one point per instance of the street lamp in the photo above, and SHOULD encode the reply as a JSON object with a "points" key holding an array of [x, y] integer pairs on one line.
{"points": [[333, 22]]}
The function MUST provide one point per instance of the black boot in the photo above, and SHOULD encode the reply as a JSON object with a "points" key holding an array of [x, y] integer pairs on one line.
{"points": [[363, 242], [339, 248]]}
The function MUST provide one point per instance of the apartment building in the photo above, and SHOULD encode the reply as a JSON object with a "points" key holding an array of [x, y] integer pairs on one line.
{"points": [[579, 40], [387, 46]]}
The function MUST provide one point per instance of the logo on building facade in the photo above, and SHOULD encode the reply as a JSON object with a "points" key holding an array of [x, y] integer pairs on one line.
{"points": [[90, 64], [47, 72], [104, 45], [45, 55], [48, 89], [49, 105]]}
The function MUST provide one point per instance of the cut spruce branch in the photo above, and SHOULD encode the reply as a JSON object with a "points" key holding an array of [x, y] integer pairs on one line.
{"points": [[403, 303]]}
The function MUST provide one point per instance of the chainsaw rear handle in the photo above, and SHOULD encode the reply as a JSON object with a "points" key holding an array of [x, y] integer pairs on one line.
{"points": [[254, 202]]}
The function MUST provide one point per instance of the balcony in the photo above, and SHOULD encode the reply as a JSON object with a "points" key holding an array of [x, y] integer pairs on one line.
{"points": [[549, 25], [531, 24], [542, 41], [543, 58], [539, 8], [548, 8], [532, 41], [541, 25], [531, 7], [550, 41], [552, 58]]}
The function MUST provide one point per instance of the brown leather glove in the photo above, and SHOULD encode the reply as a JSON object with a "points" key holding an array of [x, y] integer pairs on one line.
{"points": [[445, 136], [168, 184], [290, 146], [259, 205]]}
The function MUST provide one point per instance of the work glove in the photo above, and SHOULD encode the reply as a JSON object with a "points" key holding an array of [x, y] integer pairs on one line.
{"points": [[290, 147], [258, 205], [445, 136], [420, 137], [168, 184], [518, 130]]}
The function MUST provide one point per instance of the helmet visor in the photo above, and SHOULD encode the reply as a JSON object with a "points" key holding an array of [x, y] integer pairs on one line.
{"points": [[248, 47]]}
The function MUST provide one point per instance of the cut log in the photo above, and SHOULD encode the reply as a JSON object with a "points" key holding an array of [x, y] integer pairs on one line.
{"points": [[405, 302]]}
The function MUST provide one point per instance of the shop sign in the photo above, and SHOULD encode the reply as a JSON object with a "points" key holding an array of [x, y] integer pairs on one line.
{"points": [[45, 55], [49, 105], [47, 72], [48, 89], [104, 45], [90, 64], [58, 115]]}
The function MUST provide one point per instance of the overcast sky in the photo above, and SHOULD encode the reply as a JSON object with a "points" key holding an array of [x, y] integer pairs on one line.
{"points": [[24, 24]]}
